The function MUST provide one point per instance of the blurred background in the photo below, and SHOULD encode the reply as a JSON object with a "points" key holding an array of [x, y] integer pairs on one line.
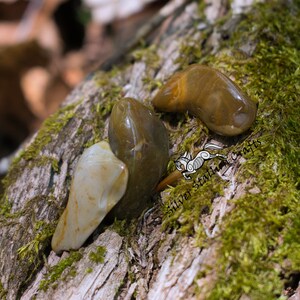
{"points": [[48, 46]]}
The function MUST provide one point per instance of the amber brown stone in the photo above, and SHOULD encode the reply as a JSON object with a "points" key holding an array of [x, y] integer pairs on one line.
{"points": [[209, 95]]}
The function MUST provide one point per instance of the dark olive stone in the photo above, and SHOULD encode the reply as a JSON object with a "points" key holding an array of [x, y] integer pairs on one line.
{"points": [[139, 139]]}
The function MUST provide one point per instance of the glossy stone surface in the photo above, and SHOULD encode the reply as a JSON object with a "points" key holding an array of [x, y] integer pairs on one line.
{"points": [[99, 182], [140, 140], [209, 95]]}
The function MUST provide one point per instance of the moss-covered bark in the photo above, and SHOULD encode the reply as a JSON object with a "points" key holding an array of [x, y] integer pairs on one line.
{"points": [[222, 235]]}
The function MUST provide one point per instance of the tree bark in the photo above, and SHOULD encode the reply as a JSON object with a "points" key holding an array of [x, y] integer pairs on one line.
{"points": [[146, 261]]}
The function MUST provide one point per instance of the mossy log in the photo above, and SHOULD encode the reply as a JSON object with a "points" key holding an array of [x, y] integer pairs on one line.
{"points": [[232, 232]]}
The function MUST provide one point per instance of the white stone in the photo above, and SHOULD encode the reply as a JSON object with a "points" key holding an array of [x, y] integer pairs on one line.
{"points": [[99, 182]]}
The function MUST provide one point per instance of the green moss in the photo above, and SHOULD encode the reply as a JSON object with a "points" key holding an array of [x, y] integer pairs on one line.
{"points": [[188, 200], [131, 276], [201, 8], [104, 79], [120, 227], [3, 292], [5, 207], [190, 52], [53, 125], [259, 248], [148, 55], [124, 227], [57, 271], [151, 83], [110, 92], [43, 232], [88, 270], [99, 255], [97, 125], [44, 161], [30, 156], [72, 271], [54, 164], [92, 142], [192, 135], [96, 134]]}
